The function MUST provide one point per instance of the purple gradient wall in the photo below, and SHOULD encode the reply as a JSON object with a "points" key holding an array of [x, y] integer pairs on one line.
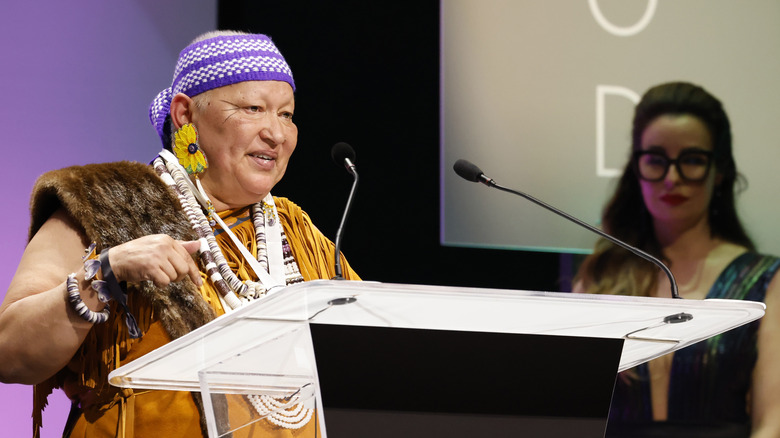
{"points": [[75, 85]]}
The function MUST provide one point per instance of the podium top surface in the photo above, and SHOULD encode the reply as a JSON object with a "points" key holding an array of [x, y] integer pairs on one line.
{"points": [[650, 327]]}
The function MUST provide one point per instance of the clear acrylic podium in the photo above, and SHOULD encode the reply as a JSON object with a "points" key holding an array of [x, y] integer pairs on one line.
{"points": [[378, 359]]}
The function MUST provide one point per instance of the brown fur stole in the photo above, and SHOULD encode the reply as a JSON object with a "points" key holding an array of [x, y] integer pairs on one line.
{"points": [[115, 203], [118, 202]]}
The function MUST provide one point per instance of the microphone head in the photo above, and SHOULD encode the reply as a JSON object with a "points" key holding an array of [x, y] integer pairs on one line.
{"points": [[340, 152], [467, 170]]}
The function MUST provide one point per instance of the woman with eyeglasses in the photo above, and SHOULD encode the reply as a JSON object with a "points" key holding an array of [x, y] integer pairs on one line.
{"points": [[675, 200]]}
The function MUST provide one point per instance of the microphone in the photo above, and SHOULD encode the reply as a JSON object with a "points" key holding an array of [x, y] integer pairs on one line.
{"points": [[343, 155], [471, 172]]}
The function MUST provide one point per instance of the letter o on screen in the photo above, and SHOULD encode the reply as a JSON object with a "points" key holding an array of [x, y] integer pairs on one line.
{"points": [[623, 31]]}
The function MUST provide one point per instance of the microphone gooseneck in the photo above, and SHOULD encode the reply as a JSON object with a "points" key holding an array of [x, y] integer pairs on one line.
{"points": [[343, 155], [471, 172]]}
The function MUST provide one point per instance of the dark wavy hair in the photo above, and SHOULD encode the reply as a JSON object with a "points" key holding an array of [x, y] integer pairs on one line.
{"points": [[612, 269]]}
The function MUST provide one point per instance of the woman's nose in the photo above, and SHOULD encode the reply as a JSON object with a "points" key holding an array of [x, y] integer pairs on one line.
{"points": [[672, 176], [273, 131]]}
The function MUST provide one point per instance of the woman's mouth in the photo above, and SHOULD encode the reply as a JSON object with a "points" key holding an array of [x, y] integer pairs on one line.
{"points": [[673, 200], [264, 162], [261, 156]]}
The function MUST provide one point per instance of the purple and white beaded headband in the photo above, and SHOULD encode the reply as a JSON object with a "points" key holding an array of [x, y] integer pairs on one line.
{"points": [[219, 61]]}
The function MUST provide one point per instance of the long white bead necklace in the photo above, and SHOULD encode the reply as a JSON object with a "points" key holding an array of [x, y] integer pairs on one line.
{"points": [[273, 249], [289, 414], [284, 413]]}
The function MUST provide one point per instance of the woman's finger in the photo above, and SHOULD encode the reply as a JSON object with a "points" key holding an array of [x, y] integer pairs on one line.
{"points": [[191, 248]]}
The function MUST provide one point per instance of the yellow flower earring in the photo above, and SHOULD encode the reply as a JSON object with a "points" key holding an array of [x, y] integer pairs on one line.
{"points": [[188, 151]]}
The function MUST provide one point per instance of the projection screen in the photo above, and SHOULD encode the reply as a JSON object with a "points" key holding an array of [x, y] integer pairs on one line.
{"points": [[540, 94]]}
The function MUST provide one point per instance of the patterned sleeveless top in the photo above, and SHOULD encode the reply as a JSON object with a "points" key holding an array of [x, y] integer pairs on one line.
{"points": [[710, 380]]}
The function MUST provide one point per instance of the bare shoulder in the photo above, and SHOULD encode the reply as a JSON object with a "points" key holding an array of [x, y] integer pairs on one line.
{"points": [[54, 252], [726, 252]]}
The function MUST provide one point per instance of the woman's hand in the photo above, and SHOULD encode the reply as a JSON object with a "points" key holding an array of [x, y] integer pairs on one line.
{"points": [[157, 258]]}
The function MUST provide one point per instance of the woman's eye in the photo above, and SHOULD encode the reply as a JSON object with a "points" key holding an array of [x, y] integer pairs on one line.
{"points": [[254, 108], [656, 160], [287, 115], [694, 159]]}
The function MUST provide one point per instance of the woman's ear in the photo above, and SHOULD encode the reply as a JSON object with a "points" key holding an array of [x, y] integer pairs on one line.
{"points": [[181, 110]]}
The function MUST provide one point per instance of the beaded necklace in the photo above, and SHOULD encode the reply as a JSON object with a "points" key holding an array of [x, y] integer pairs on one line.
{"points": [[234, 292], [268, 232], [288, 414]]}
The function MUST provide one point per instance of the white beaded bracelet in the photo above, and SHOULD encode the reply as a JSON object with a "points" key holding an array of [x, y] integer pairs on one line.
{"points": [[74, 298]]}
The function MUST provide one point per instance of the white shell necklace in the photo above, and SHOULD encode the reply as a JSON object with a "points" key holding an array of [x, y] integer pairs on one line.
{"points": [[275, 267], [272, 268]]}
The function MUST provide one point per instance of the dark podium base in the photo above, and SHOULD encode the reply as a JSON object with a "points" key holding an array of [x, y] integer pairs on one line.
{"points": [[375, 424], [393, 382]]}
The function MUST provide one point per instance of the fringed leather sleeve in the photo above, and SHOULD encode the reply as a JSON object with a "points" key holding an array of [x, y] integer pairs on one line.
{"points": [[312, 250]]}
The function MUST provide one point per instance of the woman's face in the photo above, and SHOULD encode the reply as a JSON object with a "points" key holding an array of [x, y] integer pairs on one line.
{"points": [[674, 201], [247, 134]]}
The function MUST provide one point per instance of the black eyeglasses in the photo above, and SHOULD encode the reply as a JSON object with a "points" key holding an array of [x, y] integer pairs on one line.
{"points": [[692, 164]]}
